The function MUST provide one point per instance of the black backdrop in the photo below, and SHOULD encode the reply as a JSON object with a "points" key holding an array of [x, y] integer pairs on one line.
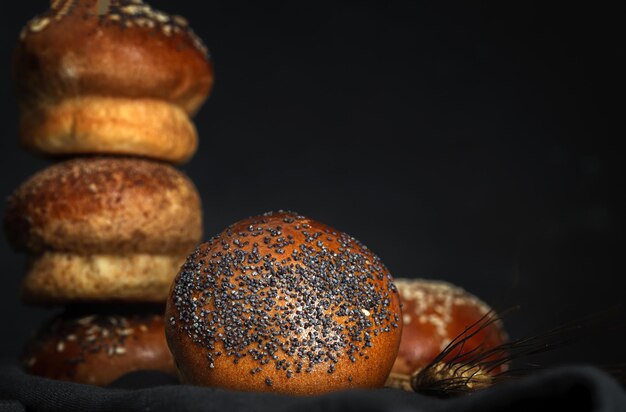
{"points": [[475, 144]]}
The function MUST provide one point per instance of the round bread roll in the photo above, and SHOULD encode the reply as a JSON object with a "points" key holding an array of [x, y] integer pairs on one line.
{"points": [[110, 76], [97, 349], [434, 313], [283, 303], [103, 229]]}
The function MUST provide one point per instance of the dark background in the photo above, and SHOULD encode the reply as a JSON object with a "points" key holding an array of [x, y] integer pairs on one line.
{"points": [[473, 143]]}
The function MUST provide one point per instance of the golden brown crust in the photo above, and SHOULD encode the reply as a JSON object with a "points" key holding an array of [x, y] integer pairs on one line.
{"points": [[97, 349], [109, 125], [435, 312], [284, 304], [60, 278], [105, 205], [127, 51]]}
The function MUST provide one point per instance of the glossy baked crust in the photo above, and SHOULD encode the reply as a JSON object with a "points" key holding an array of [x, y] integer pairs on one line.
{"points": [[283, 303], [434, 313], [98, 348]]}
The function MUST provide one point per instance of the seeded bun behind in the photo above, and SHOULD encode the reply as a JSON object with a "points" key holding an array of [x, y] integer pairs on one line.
{"points": [[103, 229], [434, 313], [117, 77], [283, 303], [98, 348]]}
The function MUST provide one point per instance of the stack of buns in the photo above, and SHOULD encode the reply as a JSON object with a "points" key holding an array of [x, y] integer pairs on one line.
{"points": [[111, 84], [107, 89]]}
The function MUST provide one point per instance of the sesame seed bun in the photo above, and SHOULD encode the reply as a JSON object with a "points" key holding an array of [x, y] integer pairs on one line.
{"points": [[117, 77], [98, 348], [434, 313], [283, 303]]}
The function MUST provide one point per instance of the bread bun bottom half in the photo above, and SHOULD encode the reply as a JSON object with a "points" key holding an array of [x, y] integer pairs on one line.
{"points": [[109, 125], [60, 278]]}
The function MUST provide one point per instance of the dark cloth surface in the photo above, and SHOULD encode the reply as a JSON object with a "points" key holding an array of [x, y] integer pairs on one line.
{"points": [[575, 388]]}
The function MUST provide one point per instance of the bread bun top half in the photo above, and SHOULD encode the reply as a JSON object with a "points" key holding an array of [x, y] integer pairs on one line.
{"points": [[119, 48], [98, 348], [105, 205]]}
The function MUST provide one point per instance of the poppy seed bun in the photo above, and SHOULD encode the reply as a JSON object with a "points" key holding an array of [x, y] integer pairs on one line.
{"points": [[98, 348], [283, 303], [114, 77], [105, 205], [434, 313]]}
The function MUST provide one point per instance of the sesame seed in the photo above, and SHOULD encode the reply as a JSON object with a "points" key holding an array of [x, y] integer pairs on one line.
{"points": [[180, 21], [134, 9], [86, 320], [37, 25], [161, 17]]}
